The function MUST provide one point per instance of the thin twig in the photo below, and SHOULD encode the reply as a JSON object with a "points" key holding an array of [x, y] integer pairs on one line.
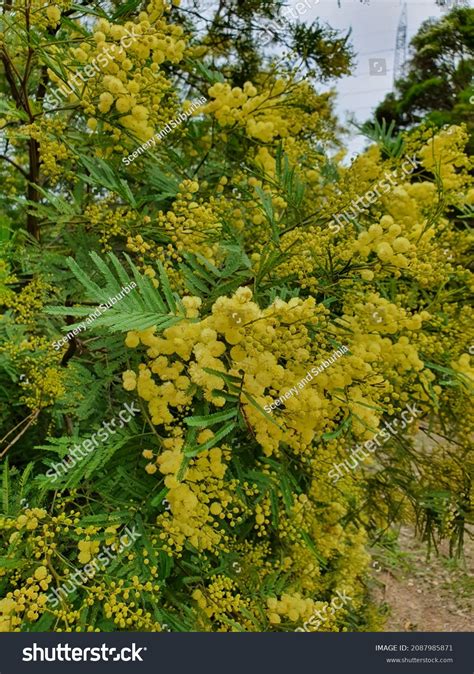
{"points": [[32, 418], [10, 161]]}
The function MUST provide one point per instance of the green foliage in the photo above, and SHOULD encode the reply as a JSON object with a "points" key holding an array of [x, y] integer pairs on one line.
{"points": [[204, 280], [136, 311], [230, 214], [383, 134], [440, 77]]}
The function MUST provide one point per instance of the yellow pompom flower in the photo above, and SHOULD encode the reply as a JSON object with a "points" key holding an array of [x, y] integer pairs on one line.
{"points": [[41, 573], [129, 380], [54, 15], [87, 549], [132, 339]]}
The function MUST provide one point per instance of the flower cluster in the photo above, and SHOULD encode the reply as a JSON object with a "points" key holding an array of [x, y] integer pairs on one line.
{"points": [[244, 296]]}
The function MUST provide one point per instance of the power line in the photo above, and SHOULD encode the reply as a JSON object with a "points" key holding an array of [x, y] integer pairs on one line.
{"points": [[387, 70], [373, 51], [368, 91]]}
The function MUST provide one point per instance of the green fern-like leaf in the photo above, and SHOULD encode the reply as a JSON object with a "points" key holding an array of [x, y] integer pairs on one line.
{"points": [[205, 280], [142, 308]]}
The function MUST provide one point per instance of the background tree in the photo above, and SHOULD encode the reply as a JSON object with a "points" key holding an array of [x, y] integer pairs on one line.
{"points": [[236, 31], [439, 81]]}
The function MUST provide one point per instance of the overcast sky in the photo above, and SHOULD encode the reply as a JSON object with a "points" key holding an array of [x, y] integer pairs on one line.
{"points": [[374, 27]]}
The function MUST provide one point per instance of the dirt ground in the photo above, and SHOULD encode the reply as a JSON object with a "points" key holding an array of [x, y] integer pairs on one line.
{"points": [[433, 595]]}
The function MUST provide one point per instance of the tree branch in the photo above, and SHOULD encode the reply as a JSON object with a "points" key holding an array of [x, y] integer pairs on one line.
{"points": [[10, 161]]}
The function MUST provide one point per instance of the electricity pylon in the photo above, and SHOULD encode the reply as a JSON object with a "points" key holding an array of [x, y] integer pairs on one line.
{"points": [[400, 58]]}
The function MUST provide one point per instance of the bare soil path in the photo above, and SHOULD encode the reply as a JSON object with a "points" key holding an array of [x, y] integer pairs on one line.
{"points": [[428, 595]]}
